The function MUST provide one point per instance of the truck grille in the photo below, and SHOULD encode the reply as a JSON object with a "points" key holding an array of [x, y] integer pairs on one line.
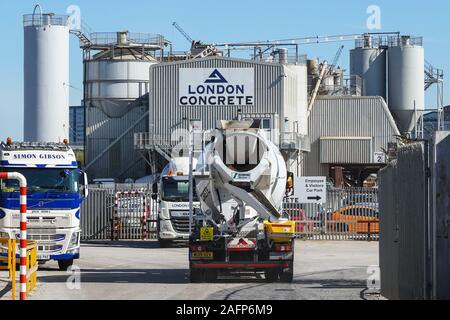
{"points": [[181, 225], [49, 248], [47, 237]]}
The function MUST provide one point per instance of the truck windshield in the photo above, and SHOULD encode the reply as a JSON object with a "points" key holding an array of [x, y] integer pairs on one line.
{"points": [[176, 191], [45, 180]]}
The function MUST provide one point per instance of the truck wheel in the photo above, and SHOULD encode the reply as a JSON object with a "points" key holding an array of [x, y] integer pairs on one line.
{"points": [[164, 244], [287, 276], [65, 264], [210, 275], [196, 276], [271, 275]]}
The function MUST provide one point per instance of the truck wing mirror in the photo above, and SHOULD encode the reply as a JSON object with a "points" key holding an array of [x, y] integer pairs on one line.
{"points": [[84, 185]]}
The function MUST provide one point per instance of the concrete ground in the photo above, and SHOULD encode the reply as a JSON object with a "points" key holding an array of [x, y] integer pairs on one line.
{"points": [[141, 270]]}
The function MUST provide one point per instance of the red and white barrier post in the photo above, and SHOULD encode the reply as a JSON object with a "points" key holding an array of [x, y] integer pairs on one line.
{"points": [[23, 228]]}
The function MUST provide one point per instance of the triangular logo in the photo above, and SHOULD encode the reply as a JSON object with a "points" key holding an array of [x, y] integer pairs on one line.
{"points": [[216, 77]]}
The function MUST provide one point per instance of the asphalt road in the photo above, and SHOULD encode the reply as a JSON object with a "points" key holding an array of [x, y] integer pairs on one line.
{"points": [[141, 271]]}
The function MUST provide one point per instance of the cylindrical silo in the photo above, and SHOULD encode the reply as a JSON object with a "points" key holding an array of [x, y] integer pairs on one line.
{"points": [[406, 81], [369, 63], [46, 78], [115, 79]]}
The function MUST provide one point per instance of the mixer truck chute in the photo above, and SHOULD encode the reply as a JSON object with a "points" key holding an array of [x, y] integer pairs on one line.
{"points": [[241, 180]]}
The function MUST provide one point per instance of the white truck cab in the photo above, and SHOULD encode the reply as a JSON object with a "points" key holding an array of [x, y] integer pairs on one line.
{"points": [[173, 202], [56, 188]]}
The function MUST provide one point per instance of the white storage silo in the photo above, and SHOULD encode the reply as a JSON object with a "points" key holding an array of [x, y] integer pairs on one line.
{"points": [[115, 79], [369, 63], [302, 97], [46, 78], [406, 81]]}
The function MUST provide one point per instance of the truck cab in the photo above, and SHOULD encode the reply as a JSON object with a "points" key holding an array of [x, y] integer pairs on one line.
{"points": [[173, 202], [55, 190]]}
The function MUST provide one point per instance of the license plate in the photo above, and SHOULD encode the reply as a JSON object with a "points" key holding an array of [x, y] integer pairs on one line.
{"points": [[202, 255], [207, 234], [43, 257]]}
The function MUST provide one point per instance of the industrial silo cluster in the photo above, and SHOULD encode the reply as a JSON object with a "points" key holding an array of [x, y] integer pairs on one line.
{"points": [[327, 118], [393, 68]]}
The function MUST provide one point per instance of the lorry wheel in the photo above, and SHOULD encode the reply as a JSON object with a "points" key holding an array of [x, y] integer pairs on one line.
{"points": [[287, 276], [271, 275], [196, 276], [164, 243], [65, 264], [210, 275]]}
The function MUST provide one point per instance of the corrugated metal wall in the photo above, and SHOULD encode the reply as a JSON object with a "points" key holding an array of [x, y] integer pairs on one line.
{"points": [[441, 214], [122, 161], [345, 150], [415, 222], [348, 117], [166, 115], [403, 218]]}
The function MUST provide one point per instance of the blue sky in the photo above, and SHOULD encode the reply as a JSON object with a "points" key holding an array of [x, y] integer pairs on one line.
{"points": [[220, 21]]}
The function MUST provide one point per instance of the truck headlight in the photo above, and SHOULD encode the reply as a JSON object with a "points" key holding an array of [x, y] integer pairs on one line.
{"points": [[4, 235], [74, 240]]}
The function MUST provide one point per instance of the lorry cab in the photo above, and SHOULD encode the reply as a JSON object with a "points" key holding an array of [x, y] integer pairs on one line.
{"points": [[55, 190], [173, 202]]}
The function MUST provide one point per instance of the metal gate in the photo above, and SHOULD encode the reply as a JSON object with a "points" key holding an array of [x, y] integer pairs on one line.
{"points": [[349, 214], [109, 214]]}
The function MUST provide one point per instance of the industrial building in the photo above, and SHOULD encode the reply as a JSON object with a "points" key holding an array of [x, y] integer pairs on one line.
{"points": [[273, 92], [349, 133], [139, 95], [76, 124]]}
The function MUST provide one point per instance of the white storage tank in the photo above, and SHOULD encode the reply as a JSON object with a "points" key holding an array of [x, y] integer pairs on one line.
{"points": [[301, 73], [368, 61], [115, 79], [46, 77], [406, 81]]}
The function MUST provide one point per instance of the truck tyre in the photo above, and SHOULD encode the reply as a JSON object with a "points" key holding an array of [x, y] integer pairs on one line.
{"points": [[271, 275], [164, 243], [196, 275], [210, 276], [287, 276], [65, 264]]}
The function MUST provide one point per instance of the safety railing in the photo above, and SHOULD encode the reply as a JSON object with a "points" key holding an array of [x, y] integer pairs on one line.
{"points": [[32, 266], [110, 38], [8, 261]]}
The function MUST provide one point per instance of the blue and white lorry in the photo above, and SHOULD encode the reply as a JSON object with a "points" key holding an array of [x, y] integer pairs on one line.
{"points": [[56, 188]]}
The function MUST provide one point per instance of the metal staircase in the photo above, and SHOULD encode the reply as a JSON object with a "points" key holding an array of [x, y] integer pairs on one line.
{"points": [[83, 34]]}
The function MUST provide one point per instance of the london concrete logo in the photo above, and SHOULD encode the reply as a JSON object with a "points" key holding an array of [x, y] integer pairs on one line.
{"points": [[216, 77], [216, 87]]}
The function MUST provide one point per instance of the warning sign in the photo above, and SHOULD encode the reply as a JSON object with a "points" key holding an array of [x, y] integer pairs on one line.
{"points": [[207, 234], [311, 190]]}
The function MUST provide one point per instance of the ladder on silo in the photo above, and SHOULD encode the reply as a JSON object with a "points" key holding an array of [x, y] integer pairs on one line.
{"points": [[83, 34]]}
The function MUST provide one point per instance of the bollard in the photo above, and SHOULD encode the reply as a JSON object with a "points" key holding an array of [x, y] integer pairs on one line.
{"points": [[23, 228]]}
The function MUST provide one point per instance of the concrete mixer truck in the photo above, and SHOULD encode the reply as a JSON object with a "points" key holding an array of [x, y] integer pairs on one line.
{"points": [[241, 181]]}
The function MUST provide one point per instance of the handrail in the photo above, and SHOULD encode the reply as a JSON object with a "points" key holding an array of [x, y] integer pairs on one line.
{"points": [[34, 12], [23, 227], [10, 263]]}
